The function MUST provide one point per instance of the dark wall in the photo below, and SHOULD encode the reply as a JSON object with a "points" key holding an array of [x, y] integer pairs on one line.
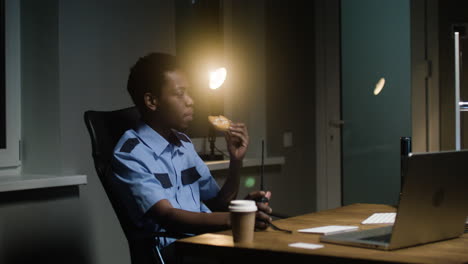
{"points": [[40, 84], [76, 57], [43, 226], [290, 92], [452, 12]]}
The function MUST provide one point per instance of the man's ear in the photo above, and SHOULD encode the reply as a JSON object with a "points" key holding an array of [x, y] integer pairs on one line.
{"points": [[151, 102]]}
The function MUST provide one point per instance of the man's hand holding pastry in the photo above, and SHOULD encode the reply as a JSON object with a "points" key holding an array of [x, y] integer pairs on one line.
{"points": [[236, 134]]}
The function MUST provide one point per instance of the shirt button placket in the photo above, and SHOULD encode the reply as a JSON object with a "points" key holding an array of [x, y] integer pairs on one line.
{"points": [[176, 174]]}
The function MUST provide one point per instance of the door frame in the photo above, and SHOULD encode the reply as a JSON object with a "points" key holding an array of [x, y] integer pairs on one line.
{"points": [[328, 105], [425, 105]]}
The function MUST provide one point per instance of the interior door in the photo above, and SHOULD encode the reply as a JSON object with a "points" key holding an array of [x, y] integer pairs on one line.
{"points": [[375, 44]]}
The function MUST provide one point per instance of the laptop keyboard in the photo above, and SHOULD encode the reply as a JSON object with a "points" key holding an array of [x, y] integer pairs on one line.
{"points": [[380, 218], [380, 238]]}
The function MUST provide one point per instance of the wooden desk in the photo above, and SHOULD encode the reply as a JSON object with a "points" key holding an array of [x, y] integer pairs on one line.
{"points": [[272, 245]]}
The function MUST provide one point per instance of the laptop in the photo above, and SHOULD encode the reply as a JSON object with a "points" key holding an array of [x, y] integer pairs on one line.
{"points": [[433, 205]]}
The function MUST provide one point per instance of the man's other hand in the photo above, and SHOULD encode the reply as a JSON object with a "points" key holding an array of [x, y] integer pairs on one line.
{"points": [[262, 218]]}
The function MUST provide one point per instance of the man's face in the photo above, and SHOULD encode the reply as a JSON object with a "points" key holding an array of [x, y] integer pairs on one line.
{"points": [[175, 105]]}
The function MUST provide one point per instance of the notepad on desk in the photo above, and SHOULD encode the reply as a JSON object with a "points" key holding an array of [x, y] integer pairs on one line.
{"points": [[328, 230], [305, 245]]}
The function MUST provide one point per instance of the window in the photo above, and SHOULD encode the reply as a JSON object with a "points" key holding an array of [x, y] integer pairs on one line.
{"points": [[10, 87]]}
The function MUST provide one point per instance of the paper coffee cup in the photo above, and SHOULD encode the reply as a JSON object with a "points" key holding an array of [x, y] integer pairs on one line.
{"points": [[242, 220]]}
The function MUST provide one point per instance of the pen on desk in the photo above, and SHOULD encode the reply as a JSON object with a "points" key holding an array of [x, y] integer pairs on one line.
{"points": [[280, 229]]}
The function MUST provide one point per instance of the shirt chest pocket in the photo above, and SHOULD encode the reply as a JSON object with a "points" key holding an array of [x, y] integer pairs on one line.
{"points": [[189, 191], [164, 179], [166, 184], [189, 176]]}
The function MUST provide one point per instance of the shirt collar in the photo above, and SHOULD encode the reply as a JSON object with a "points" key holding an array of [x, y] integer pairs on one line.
{"points": [[157, 142]]}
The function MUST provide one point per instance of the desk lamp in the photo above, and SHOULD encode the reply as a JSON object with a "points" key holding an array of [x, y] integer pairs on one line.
{"points": [[217, 78]]}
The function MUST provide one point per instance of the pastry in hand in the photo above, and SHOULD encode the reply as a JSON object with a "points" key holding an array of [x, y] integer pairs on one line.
{"points": [[220, 122]]}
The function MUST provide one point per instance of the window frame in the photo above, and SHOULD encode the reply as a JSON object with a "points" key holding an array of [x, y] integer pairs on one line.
{"points": [[2, 76]]}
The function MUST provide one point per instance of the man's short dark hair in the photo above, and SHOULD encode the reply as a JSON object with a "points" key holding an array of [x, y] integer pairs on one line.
{"points": [[148, 75]]}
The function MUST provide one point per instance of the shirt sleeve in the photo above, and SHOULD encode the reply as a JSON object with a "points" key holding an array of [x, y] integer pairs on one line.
{"points": [[138, 187]]}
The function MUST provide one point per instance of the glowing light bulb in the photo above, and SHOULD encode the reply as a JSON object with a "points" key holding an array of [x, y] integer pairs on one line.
{"points": [[217, 78]]}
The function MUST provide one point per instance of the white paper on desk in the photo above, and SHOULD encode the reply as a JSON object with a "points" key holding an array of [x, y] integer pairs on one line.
{"points": [[305, 245], [380, 218], [328, 230]]}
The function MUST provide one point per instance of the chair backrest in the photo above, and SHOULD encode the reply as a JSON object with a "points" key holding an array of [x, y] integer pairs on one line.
{"points": [[105, 129]]}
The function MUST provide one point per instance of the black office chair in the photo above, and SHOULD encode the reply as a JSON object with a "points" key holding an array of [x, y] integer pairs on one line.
{"points": [[105, 129]]}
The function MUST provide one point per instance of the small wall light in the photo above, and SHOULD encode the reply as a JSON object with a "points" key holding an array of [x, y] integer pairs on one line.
{"points": [[379, 86]]}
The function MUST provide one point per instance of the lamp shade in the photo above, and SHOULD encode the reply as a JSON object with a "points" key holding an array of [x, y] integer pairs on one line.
{"points": [[217, 78]]}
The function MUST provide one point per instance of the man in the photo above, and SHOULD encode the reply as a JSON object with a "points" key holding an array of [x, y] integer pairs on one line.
{"points": [[160, 178]]}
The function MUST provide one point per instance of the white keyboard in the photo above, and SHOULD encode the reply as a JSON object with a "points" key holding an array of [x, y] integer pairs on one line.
{"points": [[380, 218]]}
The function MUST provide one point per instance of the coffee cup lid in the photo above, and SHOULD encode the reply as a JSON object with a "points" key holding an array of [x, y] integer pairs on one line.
{"points": [[242, 206]]}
